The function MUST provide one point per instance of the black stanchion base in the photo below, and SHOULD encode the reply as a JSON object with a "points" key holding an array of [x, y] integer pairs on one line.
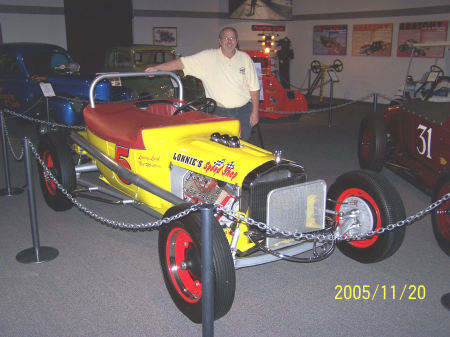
{"points": [[29, 256], [445, 300], [11, 191]]}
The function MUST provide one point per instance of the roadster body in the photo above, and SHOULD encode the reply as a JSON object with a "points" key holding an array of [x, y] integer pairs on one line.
{"points": [[168, 154], [412, 138]]}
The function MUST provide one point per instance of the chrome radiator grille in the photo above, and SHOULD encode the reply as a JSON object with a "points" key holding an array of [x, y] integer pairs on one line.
{"points": [[260, 190]]}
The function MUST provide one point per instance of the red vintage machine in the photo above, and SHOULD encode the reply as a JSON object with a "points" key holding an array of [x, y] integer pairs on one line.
{"points": [[277, 101]]}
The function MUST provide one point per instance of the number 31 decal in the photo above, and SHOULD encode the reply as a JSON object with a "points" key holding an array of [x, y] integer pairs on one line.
{"points": [[424, 147]]}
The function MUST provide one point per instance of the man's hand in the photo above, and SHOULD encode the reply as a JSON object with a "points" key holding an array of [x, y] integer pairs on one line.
{"points": [[254, 118], [151, 69]]}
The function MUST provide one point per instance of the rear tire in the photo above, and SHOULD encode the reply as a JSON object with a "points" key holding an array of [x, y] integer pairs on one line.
{"points": [[180, 258], [57, 156], [379, 204], [372, 140], [441, 215]]}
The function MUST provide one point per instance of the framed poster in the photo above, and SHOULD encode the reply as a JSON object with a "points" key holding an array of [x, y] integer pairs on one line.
{"points": [[372, 39], [330, 40], [165, 36], [260, 10], [413, 32]]}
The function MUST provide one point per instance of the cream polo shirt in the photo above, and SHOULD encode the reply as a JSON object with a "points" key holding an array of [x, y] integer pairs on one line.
{"points": [[227, 81]]}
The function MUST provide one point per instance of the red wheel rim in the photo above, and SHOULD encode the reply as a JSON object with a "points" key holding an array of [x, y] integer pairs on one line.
{"points": [[366, 198], [365, 145], [443, 213], [49, 183], [182, 266]]}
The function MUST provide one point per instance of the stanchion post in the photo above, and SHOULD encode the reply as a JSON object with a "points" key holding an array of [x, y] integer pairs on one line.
{"points": [[207, 271], [330, 112], [375, 101], [8, 190], [36, 254]]}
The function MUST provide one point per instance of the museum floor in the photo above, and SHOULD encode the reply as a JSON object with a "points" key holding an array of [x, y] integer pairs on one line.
{"points": [[107, 282]]}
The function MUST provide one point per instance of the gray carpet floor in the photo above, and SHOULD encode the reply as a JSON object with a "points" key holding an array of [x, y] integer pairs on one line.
{"points": [[107, 282]]}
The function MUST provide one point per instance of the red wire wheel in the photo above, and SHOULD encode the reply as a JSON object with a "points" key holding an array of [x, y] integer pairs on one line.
{"points": [[180, 250], [368, 202], [57, 156], [441, 215]]}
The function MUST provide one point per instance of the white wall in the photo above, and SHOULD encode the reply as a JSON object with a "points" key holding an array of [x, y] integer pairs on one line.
{"points": [[33, 27], [361, 75]]}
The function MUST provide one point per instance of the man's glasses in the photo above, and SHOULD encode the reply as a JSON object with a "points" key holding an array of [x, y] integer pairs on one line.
{"points": [[229, 38]]}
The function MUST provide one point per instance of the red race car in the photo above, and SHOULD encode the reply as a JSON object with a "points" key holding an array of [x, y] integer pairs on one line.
{"points": [[276, 102], [413, 139]]}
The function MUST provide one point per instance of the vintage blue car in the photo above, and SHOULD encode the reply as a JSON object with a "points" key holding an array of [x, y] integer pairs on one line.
{"points": [[25, 67]]}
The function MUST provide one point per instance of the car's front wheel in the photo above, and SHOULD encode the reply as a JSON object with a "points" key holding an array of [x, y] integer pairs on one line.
{"points": [[180, 248], [372, 139], [441, 215], [368, 202]]}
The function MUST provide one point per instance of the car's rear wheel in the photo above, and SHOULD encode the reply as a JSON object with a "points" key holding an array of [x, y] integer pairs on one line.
{"points": [[372, 140], [441, 215], [180, 249], [57, 156], [371, 203]]}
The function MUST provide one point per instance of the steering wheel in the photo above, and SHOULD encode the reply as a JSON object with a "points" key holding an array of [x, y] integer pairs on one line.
{"points": [[438, 70], [338, 65], [434, 69], [205, 104], [315, 66], [440, 83]]}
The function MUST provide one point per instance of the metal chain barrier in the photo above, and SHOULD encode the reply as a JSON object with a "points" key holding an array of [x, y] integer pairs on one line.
{"points": [[235, 215], [337, 236], [17, 157], [35, 120], [322, 109]]}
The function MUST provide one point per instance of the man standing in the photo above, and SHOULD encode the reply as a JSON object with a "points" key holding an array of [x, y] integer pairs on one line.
{"points": [[229, 77]]}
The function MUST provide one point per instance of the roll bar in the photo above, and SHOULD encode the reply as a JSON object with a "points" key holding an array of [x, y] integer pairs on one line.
{"points": [[114, 75]]}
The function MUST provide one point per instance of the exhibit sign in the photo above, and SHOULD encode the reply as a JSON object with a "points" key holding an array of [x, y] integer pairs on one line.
{"points": [[330, 40], [373, 39], [418, 32]]}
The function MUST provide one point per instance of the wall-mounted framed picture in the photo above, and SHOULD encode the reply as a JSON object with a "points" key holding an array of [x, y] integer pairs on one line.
{"points": [[373, 39], [418, 32], [330, 40], [260, 10], [165, 36]]}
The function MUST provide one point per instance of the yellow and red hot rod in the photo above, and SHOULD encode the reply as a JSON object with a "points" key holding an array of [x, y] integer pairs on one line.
{"points": [[168, 153]]}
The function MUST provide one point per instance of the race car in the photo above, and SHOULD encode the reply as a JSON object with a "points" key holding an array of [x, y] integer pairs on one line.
{"points": [[412, 138], [168, 154], [276, 101]]}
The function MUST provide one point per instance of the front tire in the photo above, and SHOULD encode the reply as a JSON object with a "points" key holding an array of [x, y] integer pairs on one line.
{"points": [[378, 204], [441, 215], [372, 140], [57, 156], [180, 258]]}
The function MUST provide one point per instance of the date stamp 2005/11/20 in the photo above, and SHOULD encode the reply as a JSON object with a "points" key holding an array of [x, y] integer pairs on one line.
{"points": [[407, 292]]}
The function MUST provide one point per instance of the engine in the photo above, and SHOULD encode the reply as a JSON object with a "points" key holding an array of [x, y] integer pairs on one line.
{"points": [[200, 188]]}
